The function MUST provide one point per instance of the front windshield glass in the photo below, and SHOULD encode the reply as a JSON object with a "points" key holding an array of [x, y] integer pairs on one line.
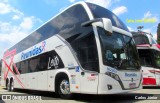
{"points": [[140, 39], [149, 58], [146, 57], [118, 51], [101, 12]]}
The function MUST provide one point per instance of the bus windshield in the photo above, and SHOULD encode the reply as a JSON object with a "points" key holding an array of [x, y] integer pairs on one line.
{"points": [[119, 51], [145, 56], [100, 12], [140, 39], [149, 58]]}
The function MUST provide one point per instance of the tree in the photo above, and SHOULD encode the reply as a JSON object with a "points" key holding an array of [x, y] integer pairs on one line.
{"points": [[158, 33]]}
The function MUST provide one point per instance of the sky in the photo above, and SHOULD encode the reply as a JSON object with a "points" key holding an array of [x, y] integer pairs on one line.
{"points": [[18, 18]]}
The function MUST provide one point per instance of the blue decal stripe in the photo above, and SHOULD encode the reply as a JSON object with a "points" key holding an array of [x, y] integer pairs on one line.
{"points": [[33, 52]]}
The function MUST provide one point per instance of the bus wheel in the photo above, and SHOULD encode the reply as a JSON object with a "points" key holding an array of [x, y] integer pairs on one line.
{"points": [[12, 86], [8, 86], [64, 88]]}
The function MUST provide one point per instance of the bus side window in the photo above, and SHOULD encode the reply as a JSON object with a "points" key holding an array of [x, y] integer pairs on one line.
{"points": [[43, 63], [80, 38], [14, 70], [18, 65], [33, 64], [87, 52], [24, 67]]}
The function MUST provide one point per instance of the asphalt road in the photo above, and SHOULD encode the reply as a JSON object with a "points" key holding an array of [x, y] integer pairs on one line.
{"points": [[49, 97]]}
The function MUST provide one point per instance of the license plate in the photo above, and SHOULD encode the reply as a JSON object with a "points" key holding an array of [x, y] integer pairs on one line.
{"points": [[132, 85]]}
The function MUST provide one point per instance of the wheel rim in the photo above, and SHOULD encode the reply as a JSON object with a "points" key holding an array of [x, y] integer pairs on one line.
{"points": [[64, 87]]}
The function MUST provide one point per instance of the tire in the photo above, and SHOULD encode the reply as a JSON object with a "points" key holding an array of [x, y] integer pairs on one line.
{"points": [[64, 88], [8, 86], [12, 86]]}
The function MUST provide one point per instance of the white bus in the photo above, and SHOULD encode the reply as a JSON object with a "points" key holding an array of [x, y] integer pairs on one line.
{"points": [[83, 49], [149, 54]]}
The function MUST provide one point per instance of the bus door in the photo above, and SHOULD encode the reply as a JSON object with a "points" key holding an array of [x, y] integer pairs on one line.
{"points": [[87, 54], [88, 57], [89, 82]]}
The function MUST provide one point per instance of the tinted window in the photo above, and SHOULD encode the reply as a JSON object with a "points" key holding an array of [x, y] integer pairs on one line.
{"points": [[118, 51], [86, 49], [46, 61], [63, 24], [145, 56], [112, 48], [140, 39], [131, 52], [69, 22], [14, 70], [81, 39], [33, 64], [18, 65], [157, 58], [100, 12], [24, 66], [43, 63]]}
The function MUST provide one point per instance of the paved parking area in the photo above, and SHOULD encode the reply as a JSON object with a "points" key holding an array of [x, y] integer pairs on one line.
{"points": [[49, 97]]}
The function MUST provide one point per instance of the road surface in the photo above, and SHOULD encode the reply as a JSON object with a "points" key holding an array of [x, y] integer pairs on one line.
{"points": [[139, 96]]}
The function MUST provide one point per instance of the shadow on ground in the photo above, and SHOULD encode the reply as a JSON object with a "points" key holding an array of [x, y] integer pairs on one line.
{"points": [[151, 87], [125, 97]]}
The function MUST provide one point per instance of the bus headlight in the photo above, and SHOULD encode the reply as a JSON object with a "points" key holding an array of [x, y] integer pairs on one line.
{"points": [[113, 75], [116, 77]]}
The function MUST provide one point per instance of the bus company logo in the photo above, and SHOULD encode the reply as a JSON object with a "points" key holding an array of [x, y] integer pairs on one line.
{"points": [[54, 62], [33, 52], [130, 75]]}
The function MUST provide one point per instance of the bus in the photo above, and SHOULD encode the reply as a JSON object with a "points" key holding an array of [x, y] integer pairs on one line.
{"points": [[149, 54], [84, 49]]}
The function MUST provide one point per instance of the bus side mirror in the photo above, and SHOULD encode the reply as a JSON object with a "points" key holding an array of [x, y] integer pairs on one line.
{"points": [[104, 23]]}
